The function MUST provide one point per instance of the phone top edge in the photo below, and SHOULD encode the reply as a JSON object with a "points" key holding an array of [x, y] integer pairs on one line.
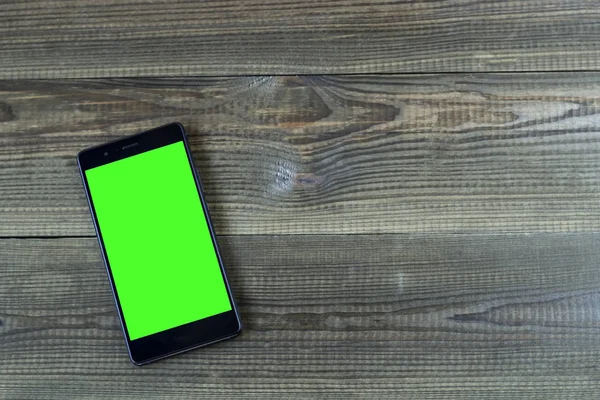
{"points": [[131, 145], [112, 142]]}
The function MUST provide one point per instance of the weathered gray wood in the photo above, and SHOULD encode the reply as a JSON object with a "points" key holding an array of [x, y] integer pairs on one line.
{"points": [[387, 236], [92, 38], [428, 316], [359, 154]]}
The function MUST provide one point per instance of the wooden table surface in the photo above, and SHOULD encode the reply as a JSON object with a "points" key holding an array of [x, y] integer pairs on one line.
{"points": [[407, 194]]}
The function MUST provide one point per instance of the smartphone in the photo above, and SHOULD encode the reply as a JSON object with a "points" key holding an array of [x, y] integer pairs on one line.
{"points": [[158, 244]]}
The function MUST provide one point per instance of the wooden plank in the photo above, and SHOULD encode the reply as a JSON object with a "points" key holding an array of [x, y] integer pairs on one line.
{"points": [[438, 316], [91, 38], [344, 154]]}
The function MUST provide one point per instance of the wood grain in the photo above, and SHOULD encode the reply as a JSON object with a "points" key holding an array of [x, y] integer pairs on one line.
{"points": [[428, 316], [91, 38], [314, 154], [426, 236]]}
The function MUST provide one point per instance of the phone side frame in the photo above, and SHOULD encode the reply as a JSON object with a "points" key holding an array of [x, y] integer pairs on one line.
{"points": [[104, 257]]}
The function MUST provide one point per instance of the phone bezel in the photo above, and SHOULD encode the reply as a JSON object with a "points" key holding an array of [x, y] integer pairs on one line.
{"points": [[185, 337]]}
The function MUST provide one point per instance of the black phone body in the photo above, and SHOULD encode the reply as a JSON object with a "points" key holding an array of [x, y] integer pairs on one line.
{"points": [[158, 244]]}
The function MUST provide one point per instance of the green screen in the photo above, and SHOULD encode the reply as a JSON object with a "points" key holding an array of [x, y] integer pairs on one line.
{"points": [[157, 240]]}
